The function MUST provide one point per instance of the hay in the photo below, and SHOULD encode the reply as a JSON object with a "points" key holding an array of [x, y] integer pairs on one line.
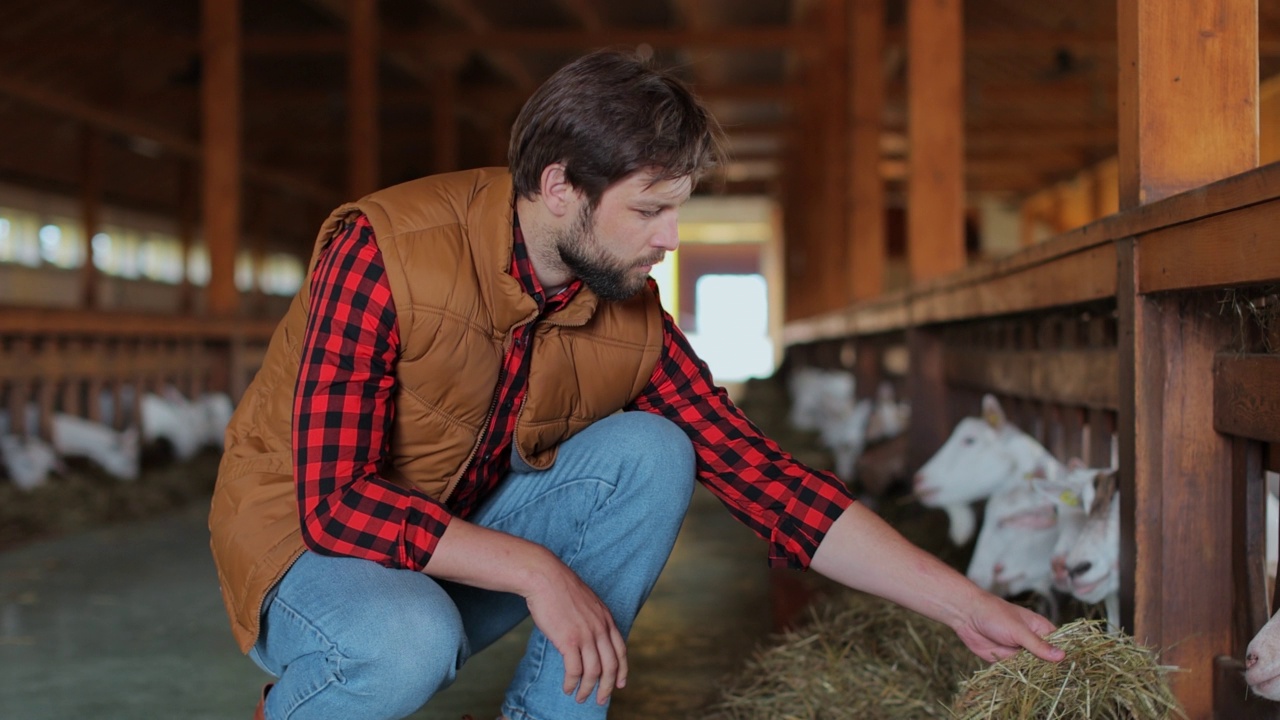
{"points": [[857, 657], [1105, 676]]}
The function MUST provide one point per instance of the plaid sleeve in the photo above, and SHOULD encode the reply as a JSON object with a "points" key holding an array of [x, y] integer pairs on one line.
{"points": [[342, 415], [789, 505]]}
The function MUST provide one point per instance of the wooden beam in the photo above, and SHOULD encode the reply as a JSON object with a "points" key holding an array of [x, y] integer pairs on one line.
{"points": [[1082, 378], [454, 41], [501, 58], [1187, 70], [586, 12], [935, 188], [1227, 250], [220, 113], [869, 248], [127, 126], [363, 147], [1246, 396]]}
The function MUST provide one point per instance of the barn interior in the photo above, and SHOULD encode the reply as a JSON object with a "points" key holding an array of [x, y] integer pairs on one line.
{"points": [[1065, 205]]}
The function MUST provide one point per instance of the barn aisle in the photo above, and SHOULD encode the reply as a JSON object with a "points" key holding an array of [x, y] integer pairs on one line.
{"points": [[125, 622]]}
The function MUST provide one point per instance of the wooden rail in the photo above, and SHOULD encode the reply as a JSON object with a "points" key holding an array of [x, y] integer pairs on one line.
{"points": [[66, 361]]}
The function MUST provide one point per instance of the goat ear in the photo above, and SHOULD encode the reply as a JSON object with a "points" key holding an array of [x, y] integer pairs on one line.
{"points": [[992, 412], [1075, 463]]}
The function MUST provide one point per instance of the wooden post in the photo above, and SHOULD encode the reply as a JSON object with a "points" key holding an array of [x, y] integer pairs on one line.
{"points": [[90, 209], [834, 142], [935, 128], [445, 119], [187, 209], [362, 98], [1188, 116], [866, 187], [220, 110]]}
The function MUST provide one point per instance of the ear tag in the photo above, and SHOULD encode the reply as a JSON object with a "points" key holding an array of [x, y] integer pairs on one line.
{"points": [[992, 419], [1069, 498]]}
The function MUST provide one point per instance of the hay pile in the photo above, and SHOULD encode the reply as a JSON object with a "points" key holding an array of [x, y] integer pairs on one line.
{"points": [[858, 657], [864, 657], [1104, 676]]}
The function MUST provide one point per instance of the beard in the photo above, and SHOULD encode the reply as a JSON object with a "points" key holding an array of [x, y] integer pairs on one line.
{"points": [[606, 276]]}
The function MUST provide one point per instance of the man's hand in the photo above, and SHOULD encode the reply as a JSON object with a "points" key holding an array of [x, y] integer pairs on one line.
{"points": [[995, 629], [563, 607], [581, 627]]}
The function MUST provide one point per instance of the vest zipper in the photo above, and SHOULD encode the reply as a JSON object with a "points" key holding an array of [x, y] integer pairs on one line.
{"points": [[493, 405]]}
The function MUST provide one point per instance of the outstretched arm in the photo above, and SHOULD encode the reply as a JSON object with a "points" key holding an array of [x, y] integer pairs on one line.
{"points": [[863, 552]]}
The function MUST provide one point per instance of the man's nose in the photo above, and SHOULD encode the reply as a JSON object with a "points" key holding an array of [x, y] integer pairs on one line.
{"points": [[668, 237]]}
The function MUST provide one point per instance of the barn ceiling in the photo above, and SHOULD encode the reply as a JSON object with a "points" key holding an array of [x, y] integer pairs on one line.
{"points": [[121, 78]]}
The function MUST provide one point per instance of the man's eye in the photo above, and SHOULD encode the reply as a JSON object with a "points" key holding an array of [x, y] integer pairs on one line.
{"points": [[650, 213]]}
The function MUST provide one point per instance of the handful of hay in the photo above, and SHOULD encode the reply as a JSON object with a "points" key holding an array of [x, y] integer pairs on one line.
{"points": [[1103, 676], [858, 657]]}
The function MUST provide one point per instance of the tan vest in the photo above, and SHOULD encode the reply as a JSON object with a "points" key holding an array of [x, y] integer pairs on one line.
{"points": [[446, 244]]}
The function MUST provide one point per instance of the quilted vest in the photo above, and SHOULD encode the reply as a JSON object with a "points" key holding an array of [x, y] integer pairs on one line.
{"points": [[446, 243]]}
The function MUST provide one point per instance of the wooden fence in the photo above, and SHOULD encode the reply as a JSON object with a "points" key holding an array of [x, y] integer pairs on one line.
{"points": [[1158, 327], [82, 362]]}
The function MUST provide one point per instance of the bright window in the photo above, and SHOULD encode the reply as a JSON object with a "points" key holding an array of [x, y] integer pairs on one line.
{"points": [[733, 326]]}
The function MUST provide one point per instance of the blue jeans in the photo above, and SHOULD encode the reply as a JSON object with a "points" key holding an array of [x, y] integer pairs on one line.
{"points": [[351, 639]]}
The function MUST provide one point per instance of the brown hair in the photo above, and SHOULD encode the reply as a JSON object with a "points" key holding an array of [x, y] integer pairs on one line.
{"points": [[607, 115]]}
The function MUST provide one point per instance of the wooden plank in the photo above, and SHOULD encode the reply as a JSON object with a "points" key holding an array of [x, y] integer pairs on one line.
{"points": [[935, 129], [1231, 249], [1232, 698], [1249, 546], [1086, 378], [1175, 519], [362, 98], [1071, 279], [1246, 396], [221, 118], [1187, 70], [1273, 463], [40, 321], [867, 238], [926, 388]]}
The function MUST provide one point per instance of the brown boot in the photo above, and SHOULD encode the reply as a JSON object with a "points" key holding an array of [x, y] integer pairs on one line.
{"points": [[260, 713]]}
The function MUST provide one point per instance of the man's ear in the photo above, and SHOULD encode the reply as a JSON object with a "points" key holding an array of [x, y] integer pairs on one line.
{"points": [[558, 194]]}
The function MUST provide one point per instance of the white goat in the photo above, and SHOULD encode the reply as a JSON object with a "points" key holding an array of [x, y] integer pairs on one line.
{"points": [[28, 460], [981, 456], [171, 418], [814, 391], [1019, 531], [844, 432], [889, 419], [1093, 564], [116, 452]]}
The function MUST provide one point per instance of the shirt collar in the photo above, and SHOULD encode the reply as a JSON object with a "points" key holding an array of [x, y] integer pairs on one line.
{"points": [[522, 270]]}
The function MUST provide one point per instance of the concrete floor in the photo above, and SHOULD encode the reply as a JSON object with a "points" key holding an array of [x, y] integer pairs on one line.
{"points": [[126, 623]]}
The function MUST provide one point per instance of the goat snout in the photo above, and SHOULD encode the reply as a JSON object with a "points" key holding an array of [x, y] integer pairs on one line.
{"points": [[1250, 660], [1080, 569]]}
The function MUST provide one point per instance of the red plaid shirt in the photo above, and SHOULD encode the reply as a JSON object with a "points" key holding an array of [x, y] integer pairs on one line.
{"points": [[343, 411]]}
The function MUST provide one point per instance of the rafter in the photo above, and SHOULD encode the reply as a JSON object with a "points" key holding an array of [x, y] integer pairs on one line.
{"points": [[586, 12], [475, 21]]}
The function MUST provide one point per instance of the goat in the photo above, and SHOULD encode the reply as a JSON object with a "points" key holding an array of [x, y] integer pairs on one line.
{"points": [[1019, 531], [981, 456]]}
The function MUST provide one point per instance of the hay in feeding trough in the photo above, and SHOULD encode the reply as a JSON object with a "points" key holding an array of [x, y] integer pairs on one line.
{"points": [[858, 657], [1104, 675]]}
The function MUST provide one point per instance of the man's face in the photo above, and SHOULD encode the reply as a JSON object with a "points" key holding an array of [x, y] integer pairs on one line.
{"points": [[613, 248]]}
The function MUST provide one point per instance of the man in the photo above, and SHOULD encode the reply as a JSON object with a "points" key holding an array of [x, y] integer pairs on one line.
{"points": [[433, 448]]}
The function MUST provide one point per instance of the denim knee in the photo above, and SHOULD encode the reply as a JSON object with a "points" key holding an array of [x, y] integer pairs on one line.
{"points": [[401, 663], [656, 448]]}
